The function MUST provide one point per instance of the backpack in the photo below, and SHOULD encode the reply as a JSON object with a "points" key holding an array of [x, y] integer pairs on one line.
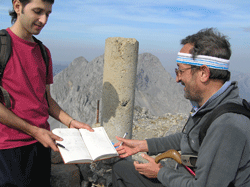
{"points": [[5, 52], [225, 108]]}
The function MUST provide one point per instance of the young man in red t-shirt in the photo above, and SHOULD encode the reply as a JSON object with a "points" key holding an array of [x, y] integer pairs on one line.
{"points": [[25, 136]]}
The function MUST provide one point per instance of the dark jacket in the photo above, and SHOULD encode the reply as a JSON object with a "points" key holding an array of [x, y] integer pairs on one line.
{"points": [[224, 155]]}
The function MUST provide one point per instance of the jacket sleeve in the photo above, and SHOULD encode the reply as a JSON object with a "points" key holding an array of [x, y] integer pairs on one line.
{"points": [[219, 156], [160, 145]]}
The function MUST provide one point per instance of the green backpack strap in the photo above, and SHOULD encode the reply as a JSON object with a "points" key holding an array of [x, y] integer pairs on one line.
{"points": [[5, 52], [225, 108]]}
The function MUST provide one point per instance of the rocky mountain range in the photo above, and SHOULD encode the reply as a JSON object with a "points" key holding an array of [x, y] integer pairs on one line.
{"points": [[78, 87]]}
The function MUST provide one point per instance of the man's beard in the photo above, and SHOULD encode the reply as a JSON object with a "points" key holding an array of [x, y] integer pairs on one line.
{"points": [[192, 94]]}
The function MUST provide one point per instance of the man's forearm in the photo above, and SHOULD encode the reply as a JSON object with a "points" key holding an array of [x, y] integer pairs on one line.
{"points": [[56, 112]]}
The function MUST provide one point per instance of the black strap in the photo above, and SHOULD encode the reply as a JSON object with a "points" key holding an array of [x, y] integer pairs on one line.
{"points": [[5, 50], [5, 53], [6, 97], [46, 60], [44, 53], [218, 111]]}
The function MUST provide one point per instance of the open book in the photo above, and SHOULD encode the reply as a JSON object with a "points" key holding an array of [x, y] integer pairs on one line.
{"points": [[83, 146]]}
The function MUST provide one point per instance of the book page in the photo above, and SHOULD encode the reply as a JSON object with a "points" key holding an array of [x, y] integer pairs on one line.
{"points": [[98, 143], [75, 149]]}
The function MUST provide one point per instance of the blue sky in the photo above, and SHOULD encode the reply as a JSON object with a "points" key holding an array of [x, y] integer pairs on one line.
{"points": [[80, 27]]}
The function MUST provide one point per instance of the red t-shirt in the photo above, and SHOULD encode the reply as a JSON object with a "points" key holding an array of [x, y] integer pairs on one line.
{"points": [[25, 79]]}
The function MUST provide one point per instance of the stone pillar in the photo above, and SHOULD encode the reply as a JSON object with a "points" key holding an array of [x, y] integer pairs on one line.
{"points": [[119, 79]]}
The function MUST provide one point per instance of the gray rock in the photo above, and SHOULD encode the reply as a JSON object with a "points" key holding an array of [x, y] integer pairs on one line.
{"points": [[56, 157], [148, 126]]}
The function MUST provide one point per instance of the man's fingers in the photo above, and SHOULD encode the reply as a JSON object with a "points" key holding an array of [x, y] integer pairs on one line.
{"points": [[51, 141], [86, 126], [139, 166], [89, 128], [55, 137], [80, 125], [117, 144], [121, 139], [145, 156], [54, 147]]}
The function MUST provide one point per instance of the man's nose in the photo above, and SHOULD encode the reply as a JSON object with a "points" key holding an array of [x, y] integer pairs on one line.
{"points": [[43, 19], [177, 78]]}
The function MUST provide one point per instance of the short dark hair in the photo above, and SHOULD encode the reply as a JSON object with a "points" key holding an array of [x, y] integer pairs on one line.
{"points": [[210, 42], [13, 14]]}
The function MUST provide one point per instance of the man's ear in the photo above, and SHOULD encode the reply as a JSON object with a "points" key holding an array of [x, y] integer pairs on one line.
{"points": [[204, 73], [17, 6]]}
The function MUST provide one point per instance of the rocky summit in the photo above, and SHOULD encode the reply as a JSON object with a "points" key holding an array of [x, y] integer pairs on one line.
{"points": [[78, 87]]}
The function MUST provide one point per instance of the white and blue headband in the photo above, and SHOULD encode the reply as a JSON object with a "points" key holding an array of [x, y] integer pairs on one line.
{"points": [[209, 61]]}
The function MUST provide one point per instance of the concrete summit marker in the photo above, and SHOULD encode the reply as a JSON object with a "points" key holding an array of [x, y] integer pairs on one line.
{"points": [[119, 79]]}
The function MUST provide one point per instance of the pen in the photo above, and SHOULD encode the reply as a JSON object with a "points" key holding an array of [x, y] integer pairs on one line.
{"points": [[124, 136], [60, 145]]}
